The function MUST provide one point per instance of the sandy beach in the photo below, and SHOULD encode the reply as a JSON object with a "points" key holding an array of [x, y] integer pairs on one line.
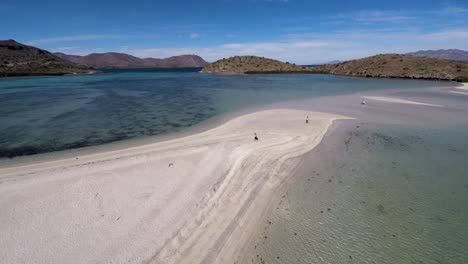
{"points": [[464, 87], [195, 199], [398, 100], [461, 89]]}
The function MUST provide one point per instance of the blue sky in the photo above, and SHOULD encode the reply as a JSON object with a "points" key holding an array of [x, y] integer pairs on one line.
{"points": [[290, 30]]}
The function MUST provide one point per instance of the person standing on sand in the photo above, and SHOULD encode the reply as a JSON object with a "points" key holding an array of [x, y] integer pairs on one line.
{"points": [[307, 120], [255, 136]]}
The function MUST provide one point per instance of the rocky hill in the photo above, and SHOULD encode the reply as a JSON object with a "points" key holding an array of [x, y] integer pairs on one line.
{"points": [[122, 60], [17, 59], [399, 66], [448, 54], [252, 64]]}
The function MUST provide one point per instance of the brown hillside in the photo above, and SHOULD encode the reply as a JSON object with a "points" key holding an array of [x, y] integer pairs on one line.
{"points": [[399, 66], [17, 59], [252, 64], [122, 60]]}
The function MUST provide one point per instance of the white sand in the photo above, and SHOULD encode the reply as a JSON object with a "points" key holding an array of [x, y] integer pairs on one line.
{"points": [[130, 206], [464, 87], [399, 101], [457, 92]]}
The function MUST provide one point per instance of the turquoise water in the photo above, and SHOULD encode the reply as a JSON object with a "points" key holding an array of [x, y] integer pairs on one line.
{"points": [[43, 114], [390, 186], [376, 193]]}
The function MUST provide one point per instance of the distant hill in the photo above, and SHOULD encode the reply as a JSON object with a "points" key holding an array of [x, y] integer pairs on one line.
{"points": [[122, 60], [399, 66], [448, 54], [252, 64], [17, 59]]}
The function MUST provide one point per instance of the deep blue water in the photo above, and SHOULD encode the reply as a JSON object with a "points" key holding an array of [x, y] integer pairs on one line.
{"points": [[44, 114]]}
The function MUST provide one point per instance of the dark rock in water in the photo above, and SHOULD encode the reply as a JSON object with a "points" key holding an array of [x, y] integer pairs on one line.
{"points": [[381, 209]]}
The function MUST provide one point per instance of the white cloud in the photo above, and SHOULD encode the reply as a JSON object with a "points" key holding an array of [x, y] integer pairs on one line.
{"points": [[453, 10], [287, 51], [74, 50], [372, 16], [74, 38], [88, 38], [280, 1], [317, 48], [447, 35], [195, 36]]}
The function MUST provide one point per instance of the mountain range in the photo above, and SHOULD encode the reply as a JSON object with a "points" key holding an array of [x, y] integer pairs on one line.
{"points": [[122, 60], [17, 59], [448, 54]]}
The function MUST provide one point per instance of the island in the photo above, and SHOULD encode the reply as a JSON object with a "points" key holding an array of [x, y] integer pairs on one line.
{"points": [[399, 66], [253, 65]]}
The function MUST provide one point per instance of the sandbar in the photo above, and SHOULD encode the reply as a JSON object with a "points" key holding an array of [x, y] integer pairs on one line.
{"points": [[397, 100], [194, 199]]}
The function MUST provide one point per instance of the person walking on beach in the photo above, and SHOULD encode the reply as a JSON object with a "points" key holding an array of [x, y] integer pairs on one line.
{"points": [[255, 137], [307, 120]]}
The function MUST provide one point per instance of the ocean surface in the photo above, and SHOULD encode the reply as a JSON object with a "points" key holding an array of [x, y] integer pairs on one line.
{"points": [[45, 114], [388, 187]]}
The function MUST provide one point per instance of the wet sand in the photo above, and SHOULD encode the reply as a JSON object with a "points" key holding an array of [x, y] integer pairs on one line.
{"points": [[463, 87], [386, 187], [397, 100]]}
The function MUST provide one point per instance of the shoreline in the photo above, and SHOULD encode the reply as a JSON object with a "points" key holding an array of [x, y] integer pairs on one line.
{"points": [[207, 124], [120, 145], [464, 87], [207, 207], [129, 192]]}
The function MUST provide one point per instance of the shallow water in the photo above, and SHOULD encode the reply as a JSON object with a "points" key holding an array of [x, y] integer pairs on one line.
{"points": [[374, 192], [43, 114]]}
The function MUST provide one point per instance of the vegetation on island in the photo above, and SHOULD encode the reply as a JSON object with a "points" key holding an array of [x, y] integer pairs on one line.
{"points": [[399, 66], [253, 65], [17, 59]]}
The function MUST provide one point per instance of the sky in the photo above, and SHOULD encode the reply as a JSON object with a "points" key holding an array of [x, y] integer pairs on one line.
{"points": [[296, 31]]}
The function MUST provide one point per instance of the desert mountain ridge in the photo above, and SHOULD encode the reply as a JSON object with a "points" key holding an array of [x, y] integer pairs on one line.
{"points": [[448, 54], [122, 60], [17, 59]]}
